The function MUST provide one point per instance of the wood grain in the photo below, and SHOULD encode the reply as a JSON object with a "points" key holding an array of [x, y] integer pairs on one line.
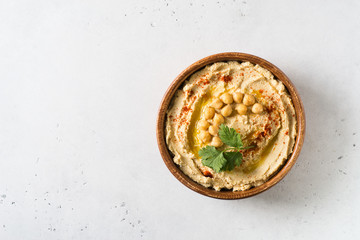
{"points": [[228, 194]]}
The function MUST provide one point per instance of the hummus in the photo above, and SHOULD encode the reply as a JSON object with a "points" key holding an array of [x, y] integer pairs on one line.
{"points": [[245, 97]]}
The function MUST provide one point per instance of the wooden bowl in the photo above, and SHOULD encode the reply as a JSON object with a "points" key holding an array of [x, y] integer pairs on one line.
{"points": [[229, 194]]}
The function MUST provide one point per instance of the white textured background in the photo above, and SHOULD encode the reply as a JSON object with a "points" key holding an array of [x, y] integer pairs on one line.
{"points": [[80, 86]]}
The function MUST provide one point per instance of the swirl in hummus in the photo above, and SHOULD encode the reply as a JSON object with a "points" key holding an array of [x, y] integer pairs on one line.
{"points": [[245, 97]]}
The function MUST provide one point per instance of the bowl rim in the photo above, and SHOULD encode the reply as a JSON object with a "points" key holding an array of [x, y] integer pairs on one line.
{"points": [[181, 78]]}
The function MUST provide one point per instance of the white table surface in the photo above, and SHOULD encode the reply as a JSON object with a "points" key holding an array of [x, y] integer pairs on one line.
{"points": [[80, 86]]}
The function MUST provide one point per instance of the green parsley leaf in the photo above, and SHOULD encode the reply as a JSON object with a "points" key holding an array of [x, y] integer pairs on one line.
{"points": [[208, 152], [234, 159], [213, 158], [227, 159], [230, 137]]}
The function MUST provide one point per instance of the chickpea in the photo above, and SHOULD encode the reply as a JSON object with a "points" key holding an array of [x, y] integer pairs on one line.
{"points": [[216, 142], [226, 111], [205, 136], [238, 97], [257, 108], [209, 112], [217, 104], [227, 98], [213, 130], [218, 119], [248, 100], [241, 109], [203, 124]]}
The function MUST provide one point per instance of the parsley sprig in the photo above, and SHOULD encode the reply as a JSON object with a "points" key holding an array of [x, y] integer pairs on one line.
{"points": [[227, 159]]}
